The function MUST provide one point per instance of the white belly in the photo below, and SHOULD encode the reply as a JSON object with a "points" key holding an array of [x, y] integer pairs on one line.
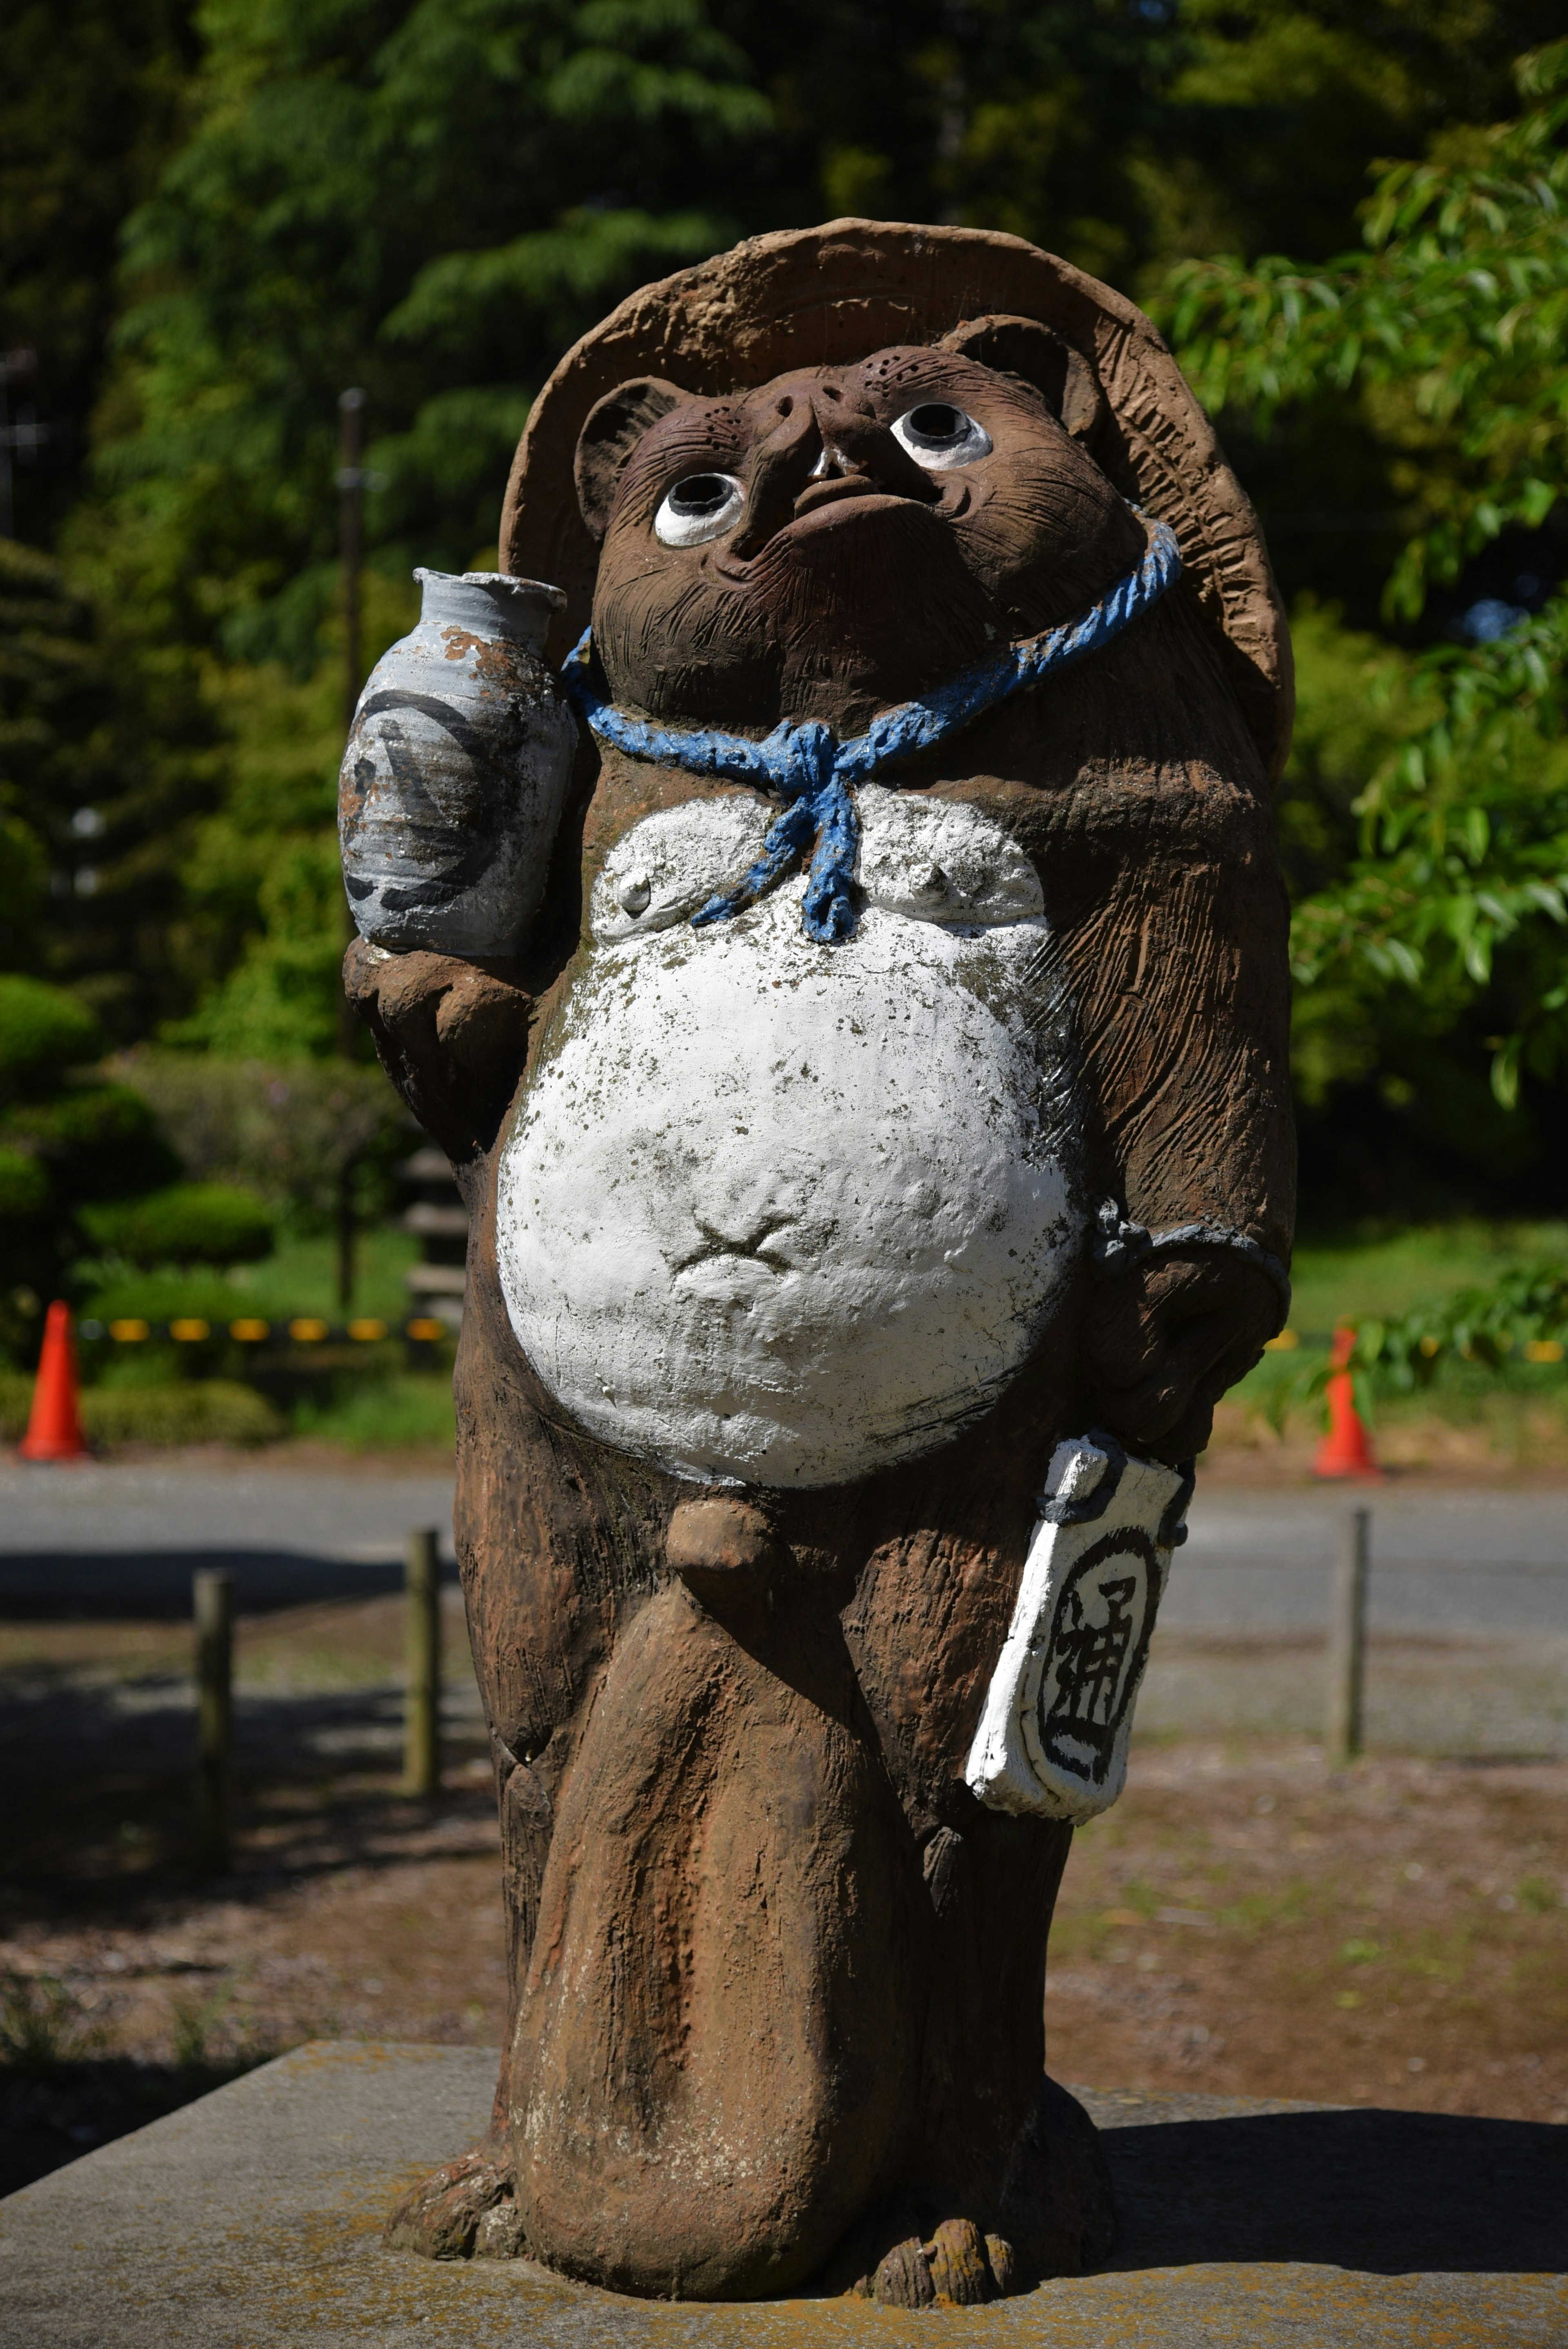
{"points": [[783, 1214]]}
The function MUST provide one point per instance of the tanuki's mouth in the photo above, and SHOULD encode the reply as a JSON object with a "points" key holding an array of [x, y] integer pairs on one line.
{"points": [[833, 490]]}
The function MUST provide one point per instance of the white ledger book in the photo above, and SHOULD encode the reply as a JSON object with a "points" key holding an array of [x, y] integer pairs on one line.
{"points": [[1057, 1718]]}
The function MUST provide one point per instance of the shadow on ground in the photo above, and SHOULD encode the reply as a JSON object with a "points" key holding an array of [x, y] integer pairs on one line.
{"points": [[151, 1585], [60, 1732], [55, 2115], [1389, 2193]]}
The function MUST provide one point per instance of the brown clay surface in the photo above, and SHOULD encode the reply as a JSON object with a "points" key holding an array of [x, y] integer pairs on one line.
{"points": [[1243, 1924], [721, 1815]]}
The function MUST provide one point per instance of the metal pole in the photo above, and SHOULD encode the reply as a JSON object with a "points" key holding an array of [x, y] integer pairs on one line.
{"points": [[1348, 1638], [351, 496], [350, 538], [345, 1234], [212, 1608], [422, 1719], [7, 509], [21, 439]]}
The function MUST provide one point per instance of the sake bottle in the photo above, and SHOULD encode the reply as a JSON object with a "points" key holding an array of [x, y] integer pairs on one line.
{"points": [[453, 781]]}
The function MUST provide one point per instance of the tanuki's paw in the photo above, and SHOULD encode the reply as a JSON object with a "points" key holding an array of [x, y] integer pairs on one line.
{"points": [[1052, 2215], [1163, 1342], [958, 2268], [462, 2211], [451, 1035]]}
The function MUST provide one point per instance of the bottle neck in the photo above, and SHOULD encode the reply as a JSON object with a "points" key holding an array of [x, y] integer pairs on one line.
{"points": [[490, 603]]}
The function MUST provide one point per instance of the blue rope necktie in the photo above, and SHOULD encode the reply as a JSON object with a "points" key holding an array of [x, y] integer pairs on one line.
{"points": [[811, 769]]}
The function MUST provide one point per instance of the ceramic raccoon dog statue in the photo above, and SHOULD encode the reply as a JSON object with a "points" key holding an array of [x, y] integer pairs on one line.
{"points": [[891, 1086]]}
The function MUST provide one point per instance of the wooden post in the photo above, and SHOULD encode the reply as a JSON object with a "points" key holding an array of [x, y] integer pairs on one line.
{"points": [[212, 1609], [422, 1719], [1348, 1639]]}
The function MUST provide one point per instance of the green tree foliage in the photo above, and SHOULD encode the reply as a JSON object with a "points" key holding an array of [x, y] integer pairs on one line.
{"points": [[426, 200], [90, 110], [1447, 335], [52, 692], [107, 755], [1524, 1317], [432, 201], [64, 1138]]}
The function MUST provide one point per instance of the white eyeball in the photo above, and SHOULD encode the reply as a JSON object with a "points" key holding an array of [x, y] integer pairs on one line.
{"points": [[703, 506], [938, 436]]}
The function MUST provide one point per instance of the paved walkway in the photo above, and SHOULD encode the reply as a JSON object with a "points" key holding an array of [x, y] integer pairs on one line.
{"points": [[106, 1537], [1444, 1560], [106, 1534]]}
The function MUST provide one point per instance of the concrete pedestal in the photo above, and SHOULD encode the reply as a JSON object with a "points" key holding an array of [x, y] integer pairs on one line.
{"points": [[251, 2219]]}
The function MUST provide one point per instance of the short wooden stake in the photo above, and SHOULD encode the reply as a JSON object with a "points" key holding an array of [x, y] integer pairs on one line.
{"points": [[1348, 1638], [422, 1717], [212, 1609]]}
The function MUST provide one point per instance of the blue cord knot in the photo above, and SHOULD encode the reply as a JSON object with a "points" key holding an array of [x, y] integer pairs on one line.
{"points": [[801, 756], [807, 765], [802, 760]]}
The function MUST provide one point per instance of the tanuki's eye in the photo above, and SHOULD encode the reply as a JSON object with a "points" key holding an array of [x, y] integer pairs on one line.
{"points": [[703, 506], [937, 435]]}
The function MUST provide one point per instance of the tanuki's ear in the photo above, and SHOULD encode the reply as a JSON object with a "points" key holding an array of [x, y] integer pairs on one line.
{"points": [[1023, 347], [616, 425]]}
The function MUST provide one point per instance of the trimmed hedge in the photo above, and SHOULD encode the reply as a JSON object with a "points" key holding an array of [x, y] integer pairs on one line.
{"points": [[100, 1141], [43, 1028], [192, 1411], [185, 1223], [24, 1187]]}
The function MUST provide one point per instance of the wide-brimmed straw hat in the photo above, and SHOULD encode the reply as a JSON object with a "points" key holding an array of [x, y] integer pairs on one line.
{"points": [[830, 296]]}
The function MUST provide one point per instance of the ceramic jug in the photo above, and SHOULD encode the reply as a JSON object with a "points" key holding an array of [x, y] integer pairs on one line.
{"points": [[452, 783]]}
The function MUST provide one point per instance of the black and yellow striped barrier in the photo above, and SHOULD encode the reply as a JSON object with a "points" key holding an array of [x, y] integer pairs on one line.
{"points": [[249, 1329]]}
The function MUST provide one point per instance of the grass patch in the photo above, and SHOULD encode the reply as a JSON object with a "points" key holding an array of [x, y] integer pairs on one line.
{"points": [[1351, 1277], [42, 2026], [414, 1409]]}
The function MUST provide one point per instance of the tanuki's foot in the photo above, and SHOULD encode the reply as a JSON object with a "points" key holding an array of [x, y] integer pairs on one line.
{"points": [[1052, 2215], [958, 2268], [463, 2210]]}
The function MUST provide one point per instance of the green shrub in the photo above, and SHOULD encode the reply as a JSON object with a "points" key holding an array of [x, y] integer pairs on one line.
{"points": [[193, 1410], [16, 1401], [282, 1129], [24, 1187], [101, 1141], [190, 1410], [42, 1027], [185, 1223]]}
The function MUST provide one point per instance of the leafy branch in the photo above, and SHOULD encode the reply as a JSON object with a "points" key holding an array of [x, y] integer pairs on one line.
{"points": [[1449, 331]]}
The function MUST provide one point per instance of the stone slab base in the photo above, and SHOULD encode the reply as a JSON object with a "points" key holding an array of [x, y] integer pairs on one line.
{"points": [[251, 2219]]}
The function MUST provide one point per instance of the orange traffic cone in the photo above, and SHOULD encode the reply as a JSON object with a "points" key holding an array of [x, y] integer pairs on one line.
{"points": [[1345, 1450], [55, 1424]]}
